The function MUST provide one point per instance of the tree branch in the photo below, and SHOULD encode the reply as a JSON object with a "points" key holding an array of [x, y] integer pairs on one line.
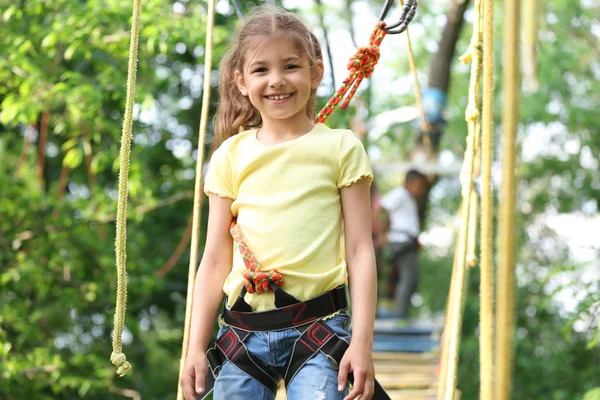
{"points": [[144, 208], [87, 151], [43, 140], [321, 15], [179, 250], [350, 19], [132, 394], [23, 156]]}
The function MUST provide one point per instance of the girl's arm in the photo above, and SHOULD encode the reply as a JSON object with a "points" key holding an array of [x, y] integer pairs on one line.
{"points": [[208, 294], [362, 276]]}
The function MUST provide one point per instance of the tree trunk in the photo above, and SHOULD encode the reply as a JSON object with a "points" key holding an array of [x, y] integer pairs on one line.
{"points": [[439, 75], [321, 14]]}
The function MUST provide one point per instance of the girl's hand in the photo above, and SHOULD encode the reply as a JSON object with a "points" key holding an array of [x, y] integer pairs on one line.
{"points": [[192, 377], [359, 361]]}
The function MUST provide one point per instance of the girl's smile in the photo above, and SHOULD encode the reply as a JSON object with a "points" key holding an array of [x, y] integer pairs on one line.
{"points": [[278, 80], [279, 98]]}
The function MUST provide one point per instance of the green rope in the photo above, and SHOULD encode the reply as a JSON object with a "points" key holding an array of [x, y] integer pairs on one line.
{"points": [[118, 357]]}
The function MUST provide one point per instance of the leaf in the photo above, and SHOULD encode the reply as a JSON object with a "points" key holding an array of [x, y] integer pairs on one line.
{"points": [[50, 40], [73, 158], [593, 394], [70, 51], [69, 144]]}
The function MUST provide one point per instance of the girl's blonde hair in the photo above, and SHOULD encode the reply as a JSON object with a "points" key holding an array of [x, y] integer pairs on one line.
{"points": [[265, 22]]}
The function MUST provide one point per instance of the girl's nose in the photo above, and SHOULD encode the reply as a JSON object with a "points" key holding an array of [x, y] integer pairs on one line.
{"points": [[277, 81]]}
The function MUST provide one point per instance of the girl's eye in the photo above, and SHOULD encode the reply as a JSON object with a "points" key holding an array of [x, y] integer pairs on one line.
{"points": [[291, 66], [259, 70]]}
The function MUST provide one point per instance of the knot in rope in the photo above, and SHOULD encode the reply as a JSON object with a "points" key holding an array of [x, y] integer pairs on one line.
{"points": [[120, 361], [471, 113], [363, 62], [259, 282], [361, 66]]}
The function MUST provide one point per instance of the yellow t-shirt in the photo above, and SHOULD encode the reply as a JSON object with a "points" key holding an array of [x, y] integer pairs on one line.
{"points": [[287, 201]]}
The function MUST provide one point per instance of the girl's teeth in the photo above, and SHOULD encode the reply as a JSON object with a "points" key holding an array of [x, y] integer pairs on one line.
{"points": [[279, 97]]}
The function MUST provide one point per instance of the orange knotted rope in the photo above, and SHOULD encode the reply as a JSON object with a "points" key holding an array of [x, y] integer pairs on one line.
{"points": [[361, 66], [256, 280]]}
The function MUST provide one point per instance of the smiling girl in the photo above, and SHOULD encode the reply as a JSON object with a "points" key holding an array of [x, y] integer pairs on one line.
{"points": [[289, 226]]}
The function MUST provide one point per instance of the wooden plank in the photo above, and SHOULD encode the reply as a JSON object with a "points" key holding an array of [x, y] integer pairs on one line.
{"points": [[426, 394], [406, 380], [405, 344], [390, 367], [409, 358]]}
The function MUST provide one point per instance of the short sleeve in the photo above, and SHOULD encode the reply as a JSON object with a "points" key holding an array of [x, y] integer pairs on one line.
{"points": [[219, 177], [353, 162]]}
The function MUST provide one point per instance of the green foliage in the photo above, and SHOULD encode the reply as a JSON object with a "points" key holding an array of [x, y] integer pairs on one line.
{"points": [[67, 59], [557, 352]]}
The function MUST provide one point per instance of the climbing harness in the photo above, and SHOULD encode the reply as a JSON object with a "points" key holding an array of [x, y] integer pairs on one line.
{"points": [[289, 312]]}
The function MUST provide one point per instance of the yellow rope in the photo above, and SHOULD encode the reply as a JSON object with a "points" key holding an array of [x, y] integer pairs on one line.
{"points": [[531, 16], [446, 337], [471, 259], [118, 357], [486, 285], [413, 70], [472, 117], [506, 223], [210, 23]]}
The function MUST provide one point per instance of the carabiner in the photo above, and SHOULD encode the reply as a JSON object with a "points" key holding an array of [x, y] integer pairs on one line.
{"points": [[408, 12]]}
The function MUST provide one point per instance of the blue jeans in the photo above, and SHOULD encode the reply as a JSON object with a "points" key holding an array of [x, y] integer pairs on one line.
{"points": [[317, 379]]}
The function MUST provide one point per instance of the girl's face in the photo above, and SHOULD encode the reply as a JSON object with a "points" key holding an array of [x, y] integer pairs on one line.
{"points": [[278, 81]]}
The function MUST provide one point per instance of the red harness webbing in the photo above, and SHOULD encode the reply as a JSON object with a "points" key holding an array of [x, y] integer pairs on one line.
{"points": [[256, 280]]}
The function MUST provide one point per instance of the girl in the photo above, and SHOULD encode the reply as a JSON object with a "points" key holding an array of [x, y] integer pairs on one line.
{"points": [[289, 190]]}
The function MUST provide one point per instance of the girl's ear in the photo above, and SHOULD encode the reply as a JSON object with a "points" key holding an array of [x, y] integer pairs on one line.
{"points": [[241, 82], [317, 74]]}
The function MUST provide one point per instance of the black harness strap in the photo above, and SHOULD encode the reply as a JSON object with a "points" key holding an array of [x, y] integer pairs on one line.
{"points": [[305, 316], [318, 337], [231, 347], [288, 316], [307, 346]]}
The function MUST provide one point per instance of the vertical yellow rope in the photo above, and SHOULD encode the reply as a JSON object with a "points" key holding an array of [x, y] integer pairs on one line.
{"points": [[506, 224], [446, 338], [486, 287], [210, 21], [531, 16], [118, 357], [472, 117], [471, 258], [413, 70]]}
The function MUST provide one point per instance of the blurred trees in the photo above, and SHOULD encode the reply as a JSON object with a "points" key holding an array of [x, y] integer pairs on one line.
{"points": [[62, 85], [63, 69]]}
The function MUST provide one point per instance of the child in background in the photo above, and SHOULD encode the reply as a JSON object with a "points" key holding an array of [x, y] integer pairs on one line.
{"points": [[401, 204]]}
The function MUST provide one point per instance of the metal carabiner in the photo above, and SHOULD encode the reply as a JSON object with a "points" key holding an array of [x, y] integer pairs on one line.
{"points": [[408, 12]]}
